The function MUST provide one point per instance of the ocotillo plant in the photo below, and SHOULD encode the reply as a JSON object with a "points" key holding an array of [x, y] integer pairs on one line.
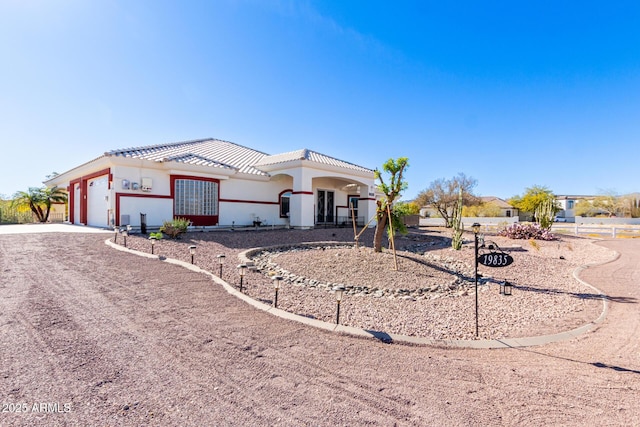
{"points": [[456, 221]]}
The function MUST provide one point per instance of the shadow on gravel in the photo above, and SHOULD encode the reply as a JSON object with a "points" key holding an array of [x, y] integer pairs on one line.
{"points": [[596, 364], [381, 336], [615, 368], [580, 295]]}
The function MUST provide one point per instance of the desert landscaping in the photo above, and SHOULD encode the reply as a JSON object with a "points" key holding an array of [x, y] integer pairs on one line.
{"points": [[431, 293], [96, 336]]}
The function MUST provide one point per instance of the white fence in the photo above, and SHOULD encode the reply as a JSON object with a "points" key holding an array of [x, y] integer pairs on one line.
{"points": [[607, 221], [598, 230], [468, 221]]}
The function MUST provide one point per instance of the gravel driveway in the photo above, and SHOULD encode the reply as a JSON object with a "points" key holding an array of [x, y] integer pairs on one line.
{"points": [[94, 336]]}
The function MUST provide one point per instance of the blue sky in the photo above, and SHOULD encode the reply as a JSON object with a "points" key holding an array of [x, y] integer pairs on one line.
{"points": [[513, 94]]}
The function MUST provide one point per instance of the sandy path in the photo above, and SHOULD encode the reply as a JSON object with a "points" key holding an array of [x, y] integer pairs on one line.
{"points": [[124, 340]]}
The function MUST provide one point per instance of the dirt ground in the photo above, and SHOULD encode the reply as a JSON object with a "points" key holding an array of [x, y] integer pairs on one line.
{"points": [[94, 336]]}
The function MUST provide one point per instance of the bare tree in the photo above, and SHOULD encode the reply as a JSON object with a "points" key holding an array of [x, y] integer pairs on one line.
{"points": [[442, 195]]}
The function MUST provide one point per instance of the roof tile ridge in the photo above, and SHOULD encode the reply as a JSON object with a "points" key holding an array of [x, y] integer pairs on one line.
{"points": [[199, 156], [337, 159], [162, 145]]}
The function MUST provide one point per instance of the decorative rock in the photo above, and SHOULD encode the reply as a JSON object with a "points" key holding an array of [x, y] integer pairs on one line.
{"points": [[264, 260]]}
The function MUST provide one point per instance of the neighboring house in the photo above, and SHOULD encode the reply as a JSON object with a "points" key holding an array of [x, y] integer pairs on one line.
{"points": [[567, 204], [213, 182], [506, 210]]}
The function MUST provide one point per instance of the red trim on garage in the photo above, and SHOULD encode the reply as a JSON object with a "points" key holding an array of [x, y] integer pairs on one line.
{"points": [[83, 194], [72, 200], [310, 193]]}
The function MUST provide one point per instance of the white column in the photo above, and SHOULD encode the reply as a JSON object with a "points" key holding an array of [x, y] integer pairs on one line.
{"points": [[369, 204], [302, 201]]}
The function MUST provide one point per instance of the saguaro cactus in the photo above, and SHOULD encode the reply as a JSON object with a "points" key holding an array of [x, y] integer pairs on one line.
{"points": [[456, 222], [545, 212]]}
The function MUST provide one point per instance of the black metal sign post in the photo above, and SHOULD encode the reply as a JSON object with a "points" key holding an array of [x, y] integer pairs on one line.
{"points": [[476, 280], [495, 258]]}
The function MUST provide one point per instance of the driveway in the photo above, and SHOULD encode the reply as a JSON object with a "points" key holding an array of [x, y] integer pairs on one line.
{"points": [[94, 336], [48, 228]]}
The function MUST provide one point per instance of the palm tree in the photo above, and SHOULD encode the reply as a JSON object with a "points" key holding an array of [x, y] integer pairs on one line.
{"points": [[52, 195], [39, 200]]}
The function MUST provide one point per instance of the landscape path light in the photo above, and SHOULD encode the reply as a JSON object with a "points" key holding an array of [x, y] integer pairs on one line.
{"points": [[221, 258], [276, 285], [115, 236], [152, 239], [242, 268], [125, 233], [192, 251], [476, 229], [339, 292], [506, 288]]}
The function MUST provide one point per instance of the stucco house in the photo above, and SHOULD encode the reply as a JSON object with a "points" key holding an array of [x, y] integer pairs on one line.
{"points": [[506, 210], [567, 204], [217, 183]]}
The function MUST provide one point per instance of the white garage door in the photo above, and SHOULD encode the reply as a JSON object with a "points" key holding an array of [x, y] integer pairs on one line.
{"points": [[97, 202]]}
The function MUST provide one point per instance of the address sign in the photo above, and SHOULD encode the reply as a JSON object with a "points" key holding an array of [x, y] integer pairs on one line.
{"points": [[495, 259]]}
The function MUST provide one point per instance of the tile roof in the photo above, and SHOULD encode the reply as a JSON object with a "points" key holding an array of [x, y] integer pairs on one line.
{"points": [[309, 155], [228, 155], [206, 152], [497, 201]]}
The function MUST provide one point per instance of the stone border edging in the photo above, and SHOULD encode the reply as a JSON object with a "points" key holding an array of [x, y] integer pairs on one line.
{"points": [[383, 336]]}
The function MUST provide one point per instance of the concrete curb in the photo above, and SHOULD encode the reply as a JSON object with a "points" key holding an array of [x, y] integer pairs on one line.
{"points": [[394, 338]]}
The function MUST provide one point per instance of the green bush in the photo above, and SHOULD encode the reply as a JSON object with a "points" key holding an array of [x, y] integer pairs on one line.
{"points": [[175, 227]]}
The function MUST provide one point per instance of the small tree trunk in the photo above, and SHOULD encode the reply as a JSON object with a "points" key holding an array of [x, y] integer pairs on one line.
{"points": [[46, 214], [377, 238]]}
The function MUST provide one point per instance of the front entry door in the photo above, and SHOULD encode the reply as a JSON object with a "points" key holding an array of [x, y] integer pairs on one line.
{"points": [[325, 206]]}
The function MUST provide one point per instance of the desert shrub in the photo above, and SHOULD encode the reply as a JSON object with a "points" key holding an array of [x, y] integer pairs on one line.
{"points": [[534, 244], [175, 227], [156, 236], [526, 231]]}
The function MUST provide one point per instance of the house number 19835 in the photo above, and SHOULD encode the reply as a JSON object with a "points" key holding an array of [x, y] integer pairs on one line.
{"points": [[495, 259]]}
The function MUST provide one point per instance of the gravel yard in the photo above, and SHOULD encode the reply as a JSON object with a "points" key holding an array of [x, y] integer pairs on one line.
{"points": [[90, 335], [432, 292]]}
